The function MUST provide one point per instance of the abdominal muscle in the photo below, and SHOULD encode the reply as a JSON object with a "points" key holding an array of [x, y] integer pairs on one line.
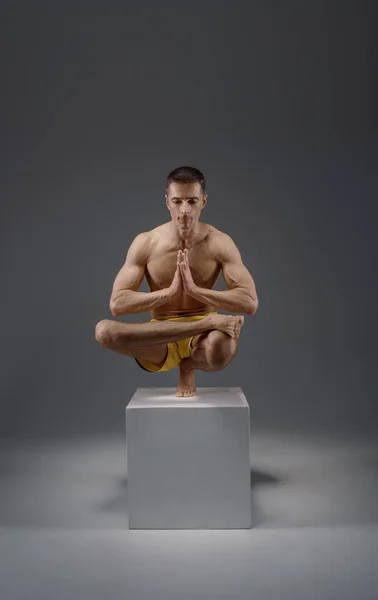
{"points": [[161, 268], [187, 307]]}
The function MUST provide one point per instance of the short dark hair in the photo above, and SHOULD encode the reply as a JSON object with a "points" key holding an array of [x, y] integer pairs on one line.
{"points": [[186, 175]]}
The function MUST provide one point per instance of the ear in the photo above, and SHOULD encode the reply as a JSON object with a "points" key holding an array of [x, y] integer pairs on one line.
{"points": [[204, 201], [167, 201]]}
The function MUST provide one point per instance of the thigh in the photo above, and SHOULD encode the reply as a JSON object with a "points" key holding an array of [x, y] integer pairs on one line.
{"points": [[214, 339], [112, 335], [153, 354], [200, 341]]}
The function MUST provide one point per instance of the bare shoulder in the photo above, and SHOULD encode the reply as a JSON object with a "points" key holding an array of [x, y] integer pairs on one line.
{"points": [[145, 244], [221, 243], [158, 233], [212, 235], [140, 247]]}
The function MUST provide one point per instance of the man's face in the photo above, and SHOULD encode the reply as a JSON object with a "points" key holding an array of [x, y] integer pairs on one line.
{"points": [[185, 202]]}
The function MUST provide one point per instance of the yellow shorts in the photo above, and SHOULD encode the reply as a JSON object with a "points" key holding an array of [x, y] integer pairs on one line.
{"points": [[176, 350]]}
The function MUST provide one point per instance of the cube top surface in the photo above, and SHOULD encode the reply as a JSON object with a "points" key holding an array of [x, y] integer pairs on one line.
{"points": [[160, 397]]}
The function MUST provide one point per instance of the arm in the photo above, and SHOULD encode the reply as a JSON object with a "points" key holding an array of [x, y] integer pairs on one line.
{"points": [[241, 295], [125, 299]]}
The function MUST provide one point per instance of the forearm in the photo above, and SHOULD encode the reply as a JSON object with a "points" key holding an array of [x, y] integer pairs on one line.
{"points": [[130, 302], [236, 300]]}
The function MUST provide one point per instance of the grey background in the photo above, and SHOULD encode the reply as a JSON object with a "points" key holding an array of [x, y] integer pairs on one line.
{"points": [[275, 102]]}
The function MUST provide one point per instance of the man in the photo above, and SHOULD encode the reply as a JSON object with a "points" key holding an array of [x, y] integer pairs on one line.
{"points": [[181, 261]]}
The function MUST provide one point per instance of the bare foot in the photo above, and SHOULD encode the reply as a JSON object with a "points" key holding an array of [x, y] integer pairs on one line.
{"points": [[187, 384], [230, 324]]}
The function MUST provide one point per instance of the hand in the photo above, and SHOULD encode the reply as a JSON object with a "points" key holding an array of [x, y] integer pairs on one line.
{"points": [[176, 287], [186, 275]]}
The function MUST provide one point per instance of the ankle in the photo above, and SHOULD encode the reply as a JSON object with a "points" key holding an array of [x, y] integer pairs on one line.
{"points": [[209, 321], [186, 365]]}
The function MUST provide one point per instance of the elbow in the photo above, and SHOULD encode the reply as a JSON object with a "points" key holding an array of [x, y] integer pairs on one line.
{"points": [[118, 305], [252, 306], [113, 308]]}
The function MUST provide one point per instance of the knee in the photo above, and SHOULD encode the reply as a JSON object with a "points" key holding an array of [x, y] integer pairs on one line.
{"points": [[221, 350], [103, 332]]}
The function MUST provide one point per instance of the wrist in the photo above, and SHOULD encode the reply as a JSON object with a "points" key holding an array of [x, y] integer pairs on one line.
{"points": [[192, 290], [163, 295]]}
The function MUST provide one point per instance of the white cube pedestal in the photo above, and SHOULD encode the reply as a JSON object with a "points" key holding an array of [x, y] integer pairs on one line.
{"points": [[188, 459]]}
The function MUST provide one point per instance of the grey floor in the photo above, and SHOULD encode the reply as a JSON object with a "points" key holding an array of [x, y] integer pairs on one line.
{"points": [[63, 526]]}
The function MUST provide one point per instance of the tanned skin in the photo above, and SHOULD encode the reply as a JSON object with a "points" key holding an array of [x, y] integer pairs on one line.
{"points": [[181, 260]]}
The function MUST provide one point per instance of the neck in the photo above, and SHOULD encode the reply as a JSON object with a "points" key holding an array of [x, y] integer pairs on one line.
{"points": [[185, 238]]}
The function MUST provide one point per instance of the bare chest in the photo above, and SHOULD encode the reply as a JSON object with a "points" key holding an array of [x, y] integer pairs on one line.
{"points": [[162, 264]]}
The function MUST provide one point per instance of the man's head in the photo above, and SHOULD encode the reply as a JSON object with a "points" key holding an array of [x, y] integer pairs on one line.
{"points": [[185, 196]]}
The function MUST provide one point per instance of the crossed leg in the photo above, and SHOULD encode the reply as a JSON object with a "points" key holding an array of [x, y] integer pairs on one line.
{"points": [[214, 343], [211, 351]]}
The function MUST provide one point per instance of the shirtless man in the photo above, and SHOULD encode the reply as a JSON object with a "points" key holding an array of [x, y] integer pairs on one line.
{"points": [[181, 260]]}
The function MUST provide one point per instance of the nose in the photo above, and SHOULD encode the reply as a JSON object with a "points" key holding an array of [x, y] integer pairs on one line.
{"points": [[185, 210]]}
